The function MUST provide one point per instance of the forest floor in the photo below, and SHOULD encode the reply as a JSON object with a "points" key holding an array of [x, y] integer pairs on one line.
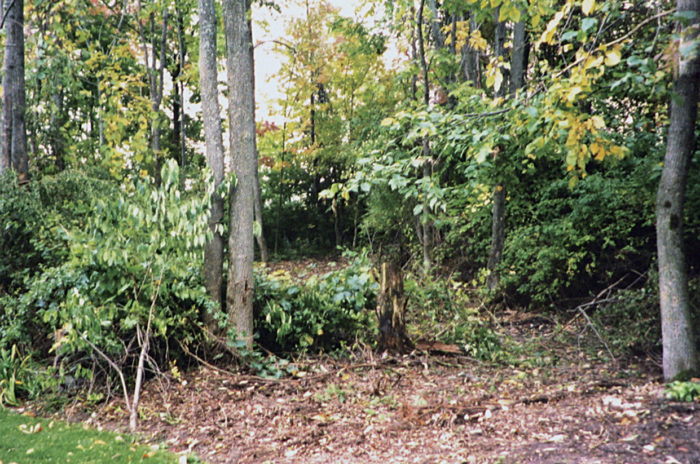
{"points": [[561, 402], [424, 408]]}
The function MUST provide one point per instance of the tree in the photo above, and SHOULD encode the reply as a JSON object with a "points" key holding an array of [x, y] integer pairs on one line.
{"points": [[241, 110], [155, 67], [211, 115], [13, 148], [679, 353]]}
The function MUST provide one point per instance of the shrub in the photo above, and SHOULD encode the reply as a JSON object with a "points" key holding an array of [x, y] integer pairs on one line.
{"points": [[321, 313], [441, 309], [135, 260]]}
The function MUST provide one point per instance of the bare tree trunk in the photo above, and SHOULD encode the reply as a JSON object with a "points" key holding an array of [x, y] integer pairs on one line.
{"points": [[13, 147], [211, 115], [391, 308], [679, 351], [239, 290]]}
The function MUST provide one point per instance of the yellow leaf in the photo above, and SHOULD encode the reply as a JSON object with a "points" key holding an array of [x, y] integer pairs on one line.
{"points": [[593, 62], [388, 122], [497, 80], [573, 92], [612, 57], [588, 6], [597, 122]]}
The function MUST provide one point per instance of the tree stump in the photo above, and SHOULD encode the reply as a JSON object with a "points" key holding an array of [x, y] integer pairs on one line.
{"points": [[391, 307]]}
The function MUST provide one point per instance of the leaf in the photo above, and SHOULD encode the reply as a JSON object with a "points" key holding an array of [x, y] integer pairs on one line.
{"points": [[612, 57], [588, 6], [588, 24], [497, 80], [598, 122]]}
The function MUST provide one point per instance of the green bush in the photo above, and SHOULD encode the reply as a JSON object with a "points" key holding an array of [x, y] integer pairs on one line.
{"points": [[576, 241], [683, 391], [321, 313], [135, 260]]}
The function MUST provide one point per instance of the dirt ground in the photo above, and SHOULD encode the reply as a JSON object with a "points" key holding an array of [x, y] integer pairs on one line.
{"points": [[426, 407]]}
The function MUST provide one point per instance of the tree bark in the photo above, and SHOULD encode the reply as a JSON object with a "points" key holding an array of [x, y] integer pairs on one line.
{"points": [[239, 290], [679, 351], [498, 199], [211, 115], [180, 86], [155, 72], [391, 309], [426, 232], [435, 28], [260, 238], [470, 59], [257, 206], [13, 147]]}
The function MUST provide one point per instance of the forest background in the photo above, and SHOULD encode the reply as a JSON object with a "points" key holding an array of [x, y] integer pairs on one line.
{"points": [[520, 155]]}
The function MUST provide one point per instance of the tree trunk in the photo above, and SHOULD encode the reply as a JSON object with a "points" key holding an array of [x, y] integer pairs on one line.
{"points": [[239, 290], [13, 147], [180, 86], [257, 206], [435, 29], [155, 72], [391, 308], [679, 351], [211, 115], [498, 199], [470, 59], [426, 225], [260, 238]]}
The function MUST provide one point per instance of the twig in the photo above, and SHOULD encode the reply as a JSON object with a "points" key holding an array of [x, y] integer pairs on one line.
{"points": [[7, 11], [133, 413], [583, 313], [115, 367], [616, 41]]}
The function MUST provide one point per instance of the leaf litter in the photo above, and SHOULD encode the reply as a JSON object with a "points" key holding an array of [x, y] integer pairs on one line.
{"points": [[431, 406]]}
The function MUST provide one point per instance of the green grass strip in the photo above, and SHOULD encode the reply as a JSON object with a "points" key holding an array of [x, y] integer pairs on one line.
{"points": [[29, 440]]}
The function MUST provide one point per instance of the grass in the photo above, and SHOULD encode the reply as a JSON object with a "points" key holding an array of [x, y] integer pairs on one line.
{"points": [[29, 440]]}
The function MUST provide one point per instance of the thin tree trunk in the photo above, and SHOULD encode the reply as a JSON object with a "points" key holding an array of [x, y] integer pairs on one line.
{"points": [[426, 225], [180, 85], [239, 290], [498, 217], [257, 194], [155, 79], [13, 147], [679, 351], [260, 238], [470, 58], [211, 115], [438, 36]]}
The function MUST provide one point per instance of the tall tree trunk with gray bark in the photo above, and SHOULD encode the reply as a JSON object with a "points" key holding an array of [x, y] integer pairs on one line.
{"points": [[13, 146], [211, 115], [241, 107], [679, 351]]}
